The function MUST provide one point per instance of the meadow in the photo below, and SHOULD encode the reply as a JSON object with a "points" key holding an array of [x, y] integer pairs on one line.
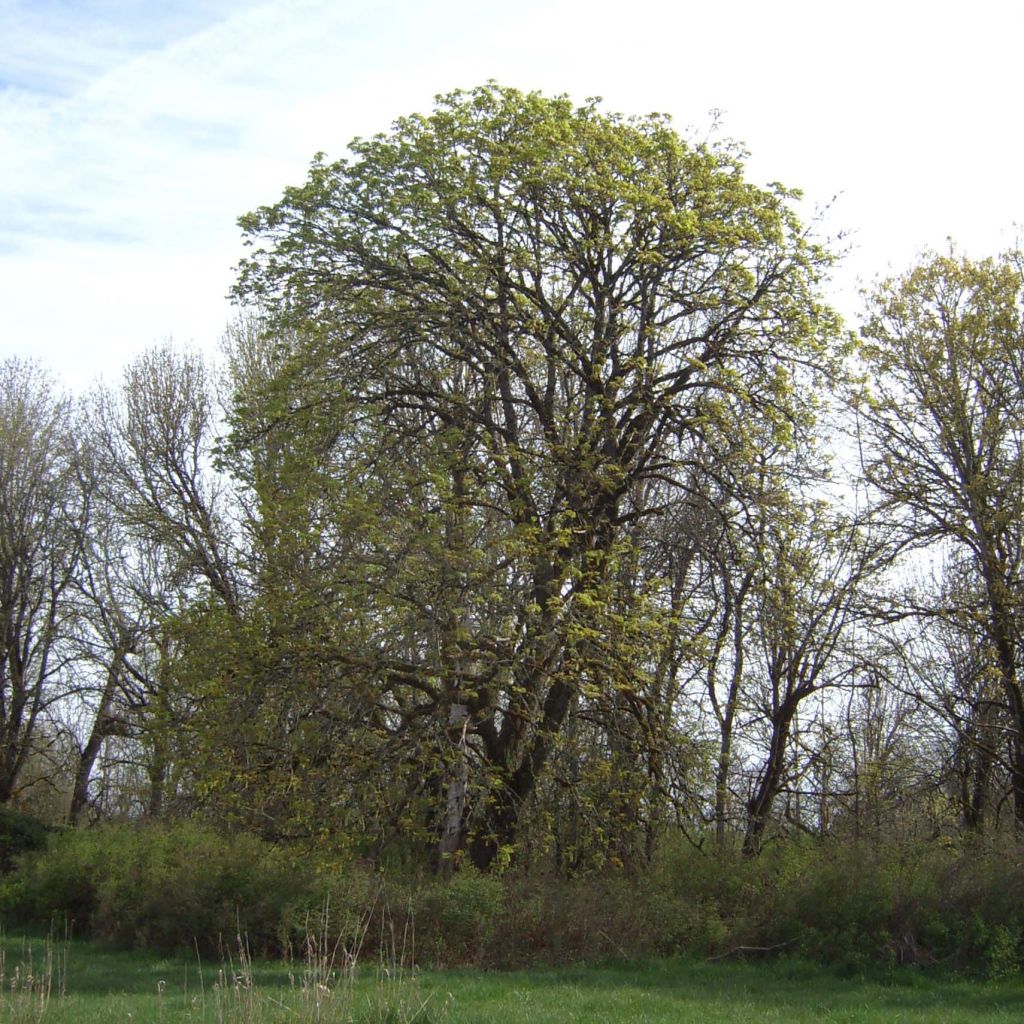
{"points": [[76, 982]]}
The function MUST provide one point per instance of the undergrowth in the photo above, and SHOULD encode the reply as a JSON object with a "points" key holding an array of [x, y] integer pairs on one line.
{"points": [[951, 902]]}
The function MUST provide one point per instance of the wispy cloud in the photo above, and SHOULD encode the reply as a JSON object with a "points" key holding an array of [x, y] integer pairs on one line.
{"points": [[133, 133], [153, 125], [92, 120], [55, 47], [132, 138]]}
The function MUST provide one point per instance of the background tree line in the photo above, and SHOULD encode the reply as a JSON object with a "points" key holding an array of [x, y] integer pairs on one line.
{"points": [[540, 508]]}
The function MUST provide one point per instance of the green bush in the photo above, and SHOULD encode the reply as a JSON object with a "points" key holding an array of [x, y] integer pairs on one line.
{"points": [[59, 883], [347, 907], [614, 915], [19, 833], [1003, 953], [456, 919], [162, 886], [884, 900]]}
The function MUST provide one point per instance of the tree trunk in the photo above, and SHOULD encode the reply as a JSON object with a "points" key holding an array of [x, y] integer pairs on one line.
{"points": [[1004, 637], [453, 834], [496, 835], [103, 725], [759, 806]]}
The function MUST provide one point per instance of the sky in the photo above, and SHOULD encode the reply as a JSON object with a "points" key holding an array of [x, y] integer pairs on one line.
{"points": [[134, 133]]}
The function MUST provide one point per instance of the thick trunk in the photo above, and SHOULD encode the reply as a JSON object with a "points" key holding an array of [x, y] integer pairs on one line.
{"points": [[453, 825], [722, 790], [725, 751], [976, 758], [1003, 635], [12, 728], [974, 817], [1017, 776], [496, 834], [86, 763], [157, 783]]}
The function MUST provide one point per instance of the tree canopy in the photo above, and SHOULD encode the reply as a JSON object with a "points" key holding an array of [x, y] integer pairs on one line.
{"points": [[534, 316]]}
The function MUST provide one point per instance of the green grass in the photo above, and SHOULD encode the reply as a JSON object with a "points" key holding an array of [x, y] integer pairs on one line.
{"points": [[90, 985], [686, 991]]}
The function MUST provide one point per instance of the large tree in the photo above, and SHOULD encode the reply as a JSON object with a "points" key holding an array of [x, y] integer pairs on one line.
{"points": [[517, 311], [942, 423]]}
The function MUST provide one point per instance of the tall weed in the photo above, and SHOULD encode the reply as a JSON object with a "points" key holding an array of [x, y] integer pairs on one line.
{"points": [[29, 984]]}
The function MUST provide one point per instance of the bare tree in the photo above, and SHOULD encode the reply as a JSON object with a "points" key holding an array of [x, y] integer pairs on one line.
{"points": [[159, 538], [39, 553]]}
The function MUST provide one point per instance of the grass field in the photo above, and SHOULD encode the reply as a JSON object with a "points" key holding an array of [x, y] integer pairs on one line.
{"points": [[89, 985]]}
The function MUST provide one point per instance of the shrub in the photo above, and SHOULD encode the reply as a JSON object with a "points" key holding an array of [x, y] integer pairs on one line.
{"points": [[346, 906], [58, 883], [19, 833], [883, 900], [457, 919], [161, 886]]}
